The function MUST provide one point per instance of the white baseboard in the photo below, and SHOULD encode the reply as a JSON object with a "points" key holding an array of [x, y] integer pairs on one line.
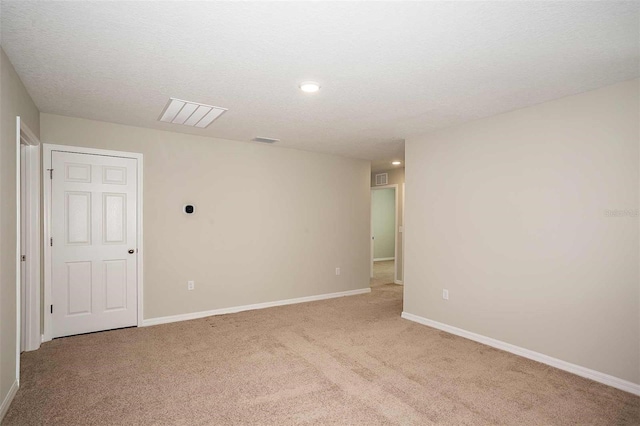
{"points": [[380, 259], [7, 400], [597, 376], [398, 282], [222, 311]]}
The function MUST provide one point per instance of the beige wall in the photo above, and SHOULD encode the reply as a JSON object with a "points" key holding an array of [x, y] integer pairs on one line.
{"points": [[270, 223], [396, 177], [508, 214], [14, 101]]}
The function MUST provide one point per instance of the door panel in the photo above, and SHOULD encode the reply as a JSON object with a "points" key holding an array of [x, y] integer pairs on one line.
{"points": [[79, 288], [115, 273], [93, 225], [114, 175], [114, 214], [77, 172], [78, 217]]}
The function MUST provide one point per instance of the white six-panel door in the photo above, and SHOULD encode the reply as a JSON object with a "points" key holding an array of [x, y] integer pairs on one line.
{"points": [[94, 250]]}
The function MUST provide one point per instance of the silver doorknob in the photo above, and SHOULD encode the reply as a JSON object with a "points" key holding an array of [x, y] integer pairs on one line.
{"points": [[131, 251]]}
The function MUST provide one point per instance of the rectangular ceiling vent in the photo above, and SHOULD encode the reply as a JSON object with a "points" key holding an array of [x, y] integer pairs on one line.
{"points": [[265, 140], [382, 178], [190, 113]]}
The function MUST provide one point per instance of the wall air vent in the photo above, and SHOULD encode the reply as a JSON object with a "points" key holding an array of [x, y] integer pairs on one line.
{"points": [[190, 113], [382, 178], [265, 140]]}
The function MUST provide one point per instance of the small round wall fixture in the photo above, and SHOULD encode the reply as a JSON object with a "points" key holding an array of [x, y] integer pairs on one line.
{"points": [[309, 86], [189, 209]]}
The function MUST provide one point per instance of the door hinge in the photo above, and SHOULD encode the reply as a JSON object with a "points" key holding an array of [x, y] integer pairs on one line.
{"points": [[51, 308], [50, 242], [50, 173], [23, 258]]}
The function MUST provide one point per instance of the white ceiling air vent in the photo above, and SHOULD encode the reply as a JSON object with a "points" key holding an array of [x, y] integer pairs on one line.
{"points": [[382, 178], [190, 113], [265, 140]]}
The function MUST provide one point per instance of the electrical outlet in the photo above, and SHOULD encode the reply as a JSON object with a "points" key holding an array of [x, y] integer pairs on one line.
{"points": [[445, 294], [337, 271], [191, 285]]}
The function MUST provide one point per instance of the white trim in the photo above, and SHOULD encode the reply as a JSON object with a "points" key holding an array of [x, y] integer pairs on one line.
{"points": [[597, 376], [46, 165], [140, 240], [398, 282], [381, 259], [235, 309], [402, 231], [46, 221], [8, 399], [32, 230], [18, 241], [23, 247], [395, 230]]}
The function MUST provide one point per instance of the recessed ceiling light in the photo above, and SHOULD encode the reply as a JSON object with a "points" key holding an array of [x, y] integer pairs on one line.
{"points": [[309, 86], [190, 113], [396, 163]]}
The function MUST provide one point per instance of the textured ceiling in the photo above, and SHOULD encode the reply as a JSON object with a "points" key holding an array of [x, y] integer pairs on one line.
{"points": [[387, 70]]}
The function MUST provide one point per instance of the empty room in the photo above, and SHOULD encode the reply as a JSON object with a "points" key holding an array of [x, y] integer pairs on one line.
{"points": [[296, 213]]}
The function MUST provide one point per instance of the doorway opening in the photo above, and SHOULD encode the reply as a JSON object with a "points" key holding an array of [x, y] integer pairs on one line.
{"points": [[384, 238], [28, 238]]}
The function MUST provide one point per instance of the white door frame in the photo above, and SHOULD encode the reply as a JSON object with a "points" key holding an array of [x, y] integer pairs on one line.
{"points": [[402, 230], [46, 168], [395, 230], [31, 216]]}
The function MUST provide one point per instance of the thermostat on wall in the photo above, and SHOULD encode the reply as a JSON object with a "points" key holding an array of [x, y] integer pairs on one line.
{"points": [[189, 209]]}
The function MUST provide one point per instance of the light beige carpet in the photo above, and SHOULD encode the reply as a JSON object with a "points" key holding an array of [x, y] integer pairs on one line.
{"points": [[351, 360], [383, 273]]}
